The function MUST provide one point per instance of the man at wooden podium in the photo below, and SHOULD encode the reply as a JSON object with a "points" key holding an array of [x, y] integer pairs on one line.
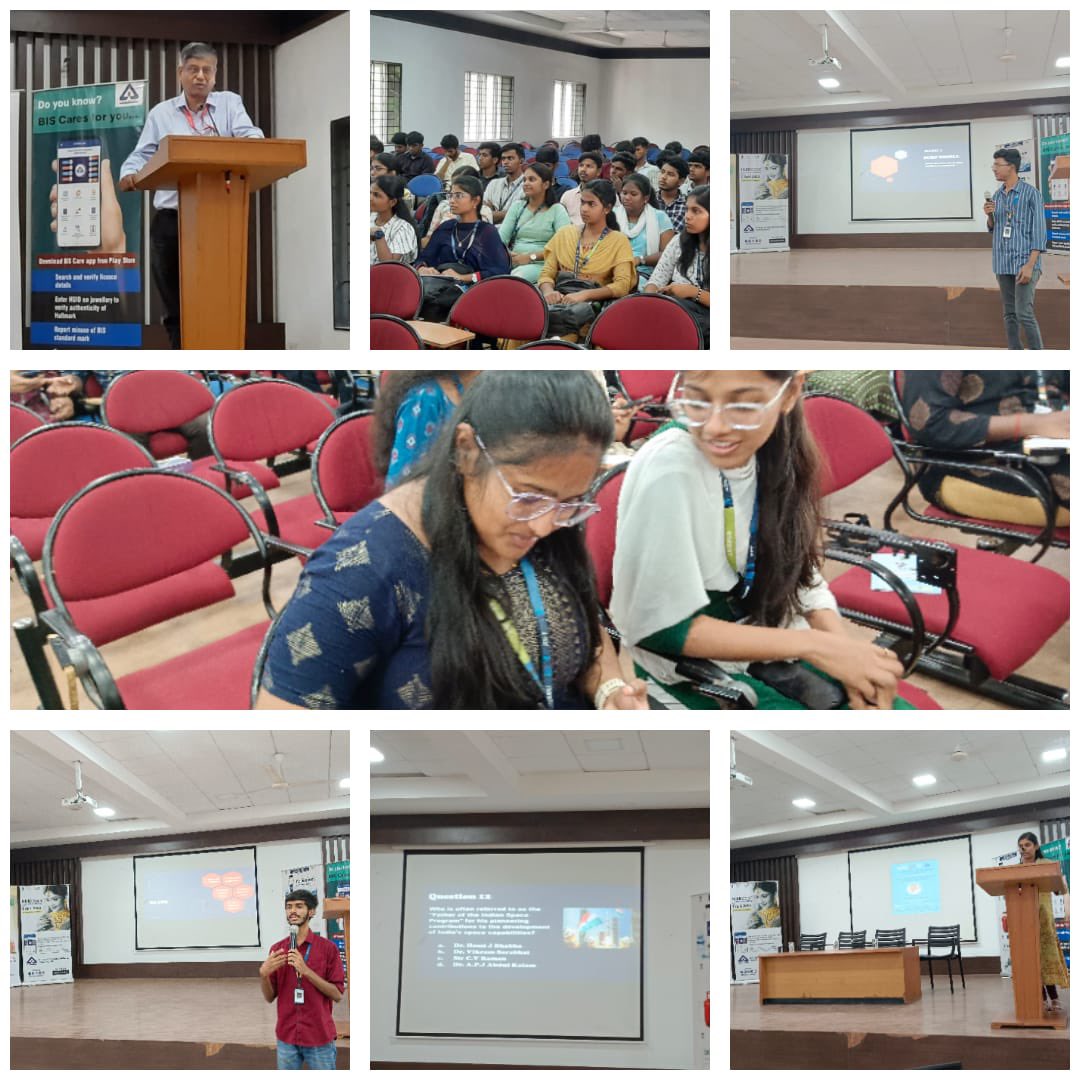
{"points": [[196, 110]]}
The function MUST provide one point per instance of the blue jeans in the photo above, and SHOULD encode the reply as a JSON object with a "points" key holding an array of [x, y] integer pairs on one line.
{"points": [[1018, 305], [317, 1057]]}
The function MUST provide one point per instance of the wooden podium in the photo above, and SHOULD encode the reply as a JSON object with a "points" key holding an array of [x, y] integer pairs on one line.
{"points": [[214, 177], [335, 908], [1021, 885]]}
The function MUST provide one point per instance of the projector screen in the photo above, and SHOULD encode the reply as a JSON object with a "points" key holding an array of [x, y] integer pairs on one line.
{"points": [[525, 944], [913, 886], [911, 173], [197, 900]]}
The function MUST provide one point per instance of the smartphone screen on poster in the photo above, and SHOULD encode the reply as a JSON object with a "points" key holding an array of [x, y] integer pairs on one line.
{"points": [[78, 193]]}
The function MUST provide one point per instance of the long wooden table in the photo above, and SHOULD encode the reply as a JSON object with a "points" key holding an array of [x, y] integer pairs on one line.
{"points": [[841, 976]]}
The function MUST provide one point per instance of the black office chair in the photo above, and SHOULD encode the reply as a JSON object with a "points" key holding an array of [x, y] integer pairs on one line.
{"points": [[890, 939], [856, 940], [811, 942], [943, 937]]}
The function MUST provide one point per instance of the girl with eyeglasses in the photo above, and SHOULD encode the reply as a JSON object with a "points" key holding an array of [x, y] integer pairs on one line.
{"points": [[468, 586], [717, 551]]}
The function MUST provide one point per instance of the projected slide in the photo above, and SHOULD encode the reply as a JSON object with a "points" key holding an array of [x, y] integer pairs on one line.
{"points": [[911, 173], [913, 886], [196, 900], [522, 944]]}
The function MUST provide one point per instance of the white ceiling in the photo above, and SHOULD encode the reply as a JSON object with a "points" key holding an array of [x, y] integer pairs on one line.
{"points": [[862, 779], [168, 782], [444, 772], [636, 29], [892, 59]]}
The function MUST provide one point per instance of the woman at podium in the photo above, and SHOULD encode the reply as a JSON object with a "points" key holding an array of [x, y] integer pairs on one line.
{"points": [[1052, 967]]}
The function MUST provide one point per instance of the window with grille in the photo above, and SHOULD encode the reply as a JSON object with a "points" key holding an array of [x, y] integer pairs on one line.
{"points": [[568, 114], [385, 99], [489, 107]]}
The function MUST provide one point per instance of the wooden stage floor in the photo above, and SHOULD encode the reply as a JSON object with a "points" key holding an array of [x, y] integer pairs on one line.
{"points": [[940, 1027], [148, 1023]]}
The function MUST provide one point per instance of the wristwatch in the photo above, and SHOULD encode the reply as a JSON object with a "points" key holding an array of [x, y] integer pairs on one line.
{"points": [[378, 234], [533, 256]]}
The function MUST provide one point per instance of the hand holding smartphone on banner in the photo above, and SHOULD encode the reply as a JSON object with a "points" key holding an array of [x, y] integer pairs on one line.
{"points": [[83, 204]]}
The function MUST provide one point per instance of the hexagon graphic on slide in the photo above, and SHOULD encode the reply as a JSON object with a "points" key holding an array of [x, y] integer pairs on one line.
{"points": [[211, 881], [885, 167]]}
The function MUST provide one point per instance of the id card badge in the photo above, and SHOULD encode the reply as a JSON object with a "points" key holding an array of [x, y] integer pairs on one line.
{"points": [[1006, 232], [298, 996]]}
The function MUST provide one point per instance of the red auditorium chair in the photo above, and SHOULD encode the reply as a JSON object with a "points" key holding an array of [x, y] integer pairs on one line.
{"points": [[23, 421], [644, 321], [1004, 610], [502, 307], [263, 419], [551, 343], [343, 471], [390, 332], [156, 403], [396, 289], [600, 532], [131, 551], [915, 459]]}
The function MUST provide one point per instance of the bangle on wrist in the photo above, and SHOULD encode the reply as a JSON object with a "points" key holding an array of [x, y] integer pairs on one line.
{"points": [[605, 690]]}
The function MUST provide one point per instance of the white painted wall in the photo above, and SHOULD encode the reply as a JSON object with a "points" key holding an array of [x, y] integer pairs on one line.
{"points": [[674, 871], [623, 98], [311, 88], [824, 179], [108, 897], [823, 890]]}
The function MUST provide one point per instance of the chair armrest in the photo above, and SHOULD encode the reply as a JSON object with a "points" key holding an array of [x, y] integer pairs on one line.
{"points": [[27, 577], [289, 546], [240, 476], [77, 651], [276, 543], [970, 458]]}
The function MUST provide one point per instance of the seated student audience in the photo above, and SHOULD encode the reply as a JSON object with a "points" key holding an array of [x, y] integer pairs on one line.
{"points": [[531, 222], [461, 252], [647, 228], [387, 165], [698, 164], [444, 211], [467, 586], [393, 229], [588, 169], [414, 162], [503, 190], [399, 144], [682, 271], [410, 413], [672, 199], [453, 159], [733, 576], [588, 265], [376, 147], [641, 160], [487, 161], [995, 410], [622, 165], [592, 143], [547, 156]]}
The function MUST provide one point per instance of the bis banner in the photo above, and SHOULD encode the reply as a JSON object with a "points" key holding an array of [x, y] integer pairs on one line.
{"points": [[46, 934], [755, 926], [15, 979], [86, 278], [1054, 184], [764, 199]]}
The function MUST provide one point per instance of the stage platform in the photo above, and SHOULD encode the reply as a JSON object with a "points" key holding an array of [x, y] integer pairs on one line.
{"points": [[919, 298], [939, 1028], [217, 1023]]}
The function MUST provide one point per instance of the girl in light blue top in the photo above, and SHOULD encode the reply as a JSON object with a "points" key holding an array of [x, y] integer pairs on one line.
{"points": [[647, 227], [531, 222]]}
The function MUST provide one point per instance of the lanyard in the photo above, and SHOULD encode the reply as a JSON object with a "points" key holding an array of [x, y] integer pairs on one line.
{"points": [[519, 223], [746, 581], [306, 955], [1015, 200], [546, 683], [205, 130], [510, 190], [472, 240], [578, 261]]}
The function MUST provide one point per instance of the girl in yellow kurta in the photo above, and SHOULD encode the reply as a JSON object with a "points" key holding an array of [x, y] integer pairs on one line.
{"points": [[1052, 967]]}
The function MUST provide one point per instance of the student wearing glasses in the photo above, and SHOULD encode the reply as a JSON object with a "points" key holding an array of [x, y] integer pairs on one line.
{"points": [[469, 585], [717, 550]]}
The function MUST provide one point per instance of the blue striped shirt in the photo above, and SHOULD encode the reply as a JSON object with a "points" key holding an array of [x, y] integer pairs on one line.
{"points": [[1028, 222], [226, 117]]}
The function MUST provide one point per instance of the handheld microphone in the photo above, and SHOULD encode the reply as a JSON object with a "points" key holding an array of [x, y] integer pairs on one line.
{"points": [[986, 194], [292, 938]]}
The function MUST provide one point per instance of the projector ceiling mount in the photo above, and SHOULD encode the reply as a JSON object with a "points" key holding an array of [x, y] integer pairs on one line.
{"points": [[79, 800], [825, 60]]}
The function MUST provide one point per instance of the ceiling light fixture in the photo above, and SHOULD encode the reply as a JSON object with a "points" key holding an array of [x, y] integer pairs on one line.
{"points": [[1062, 62], [1060, 754], [924, 781], [803, 804], [829, 84], [105, 811], [374, 756], [344, 783]]}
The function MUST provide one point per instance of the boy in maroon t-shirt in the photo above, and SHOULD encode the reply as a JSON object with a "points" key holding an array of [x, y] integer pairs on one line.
{"points": [[306, 981]]}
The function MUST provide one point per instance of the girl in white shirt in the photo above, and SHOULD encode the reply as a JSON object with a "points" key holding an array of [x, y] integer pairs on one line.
{"points": [[393, 230]]}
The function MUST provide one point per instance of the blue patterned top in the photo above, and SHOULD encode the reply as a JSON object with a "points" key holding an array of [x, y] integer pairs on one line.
{"points": [[420, 418], [353, 634]]}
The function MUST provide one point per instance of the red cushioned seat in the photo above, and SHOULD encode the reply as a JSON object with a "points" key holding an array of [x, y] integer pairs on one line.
{"points": [[343, 469], [600, 530], [914, 696], [502, 307], [296, 520], [23, 421], [645, 321], [1008, 610], [169, 685], [389, 332]]}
